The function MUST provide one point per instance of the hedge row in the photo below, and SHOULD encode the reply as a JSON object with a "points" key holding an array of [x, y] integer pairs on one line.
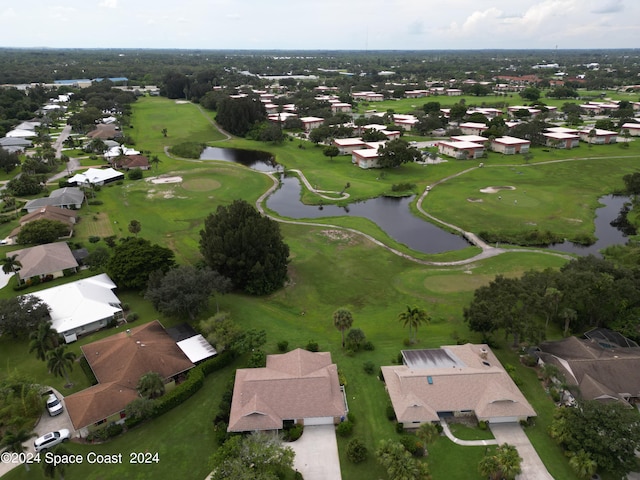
{"points": [[193, 383]]}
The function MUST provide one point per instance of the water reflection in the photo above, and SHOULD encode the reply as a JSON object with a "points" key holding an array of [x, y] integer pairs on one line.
{"points": [[255, 159], [391, 214]]}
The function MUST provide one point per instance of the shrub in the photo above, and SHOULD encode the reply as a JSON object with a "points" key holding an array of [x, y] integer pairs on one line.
{"points": [[368, 346], [186, 389], [368, 367], [125, 307], [402, 187], [356, 451], [258, 359], [312, 346], [529, 360], [412, 444], [482, 425], [134, 174], [351, 417], [132, 317], [391, 413], [113, 430], [399, 427], [292, 433], [283, 346], [95, 202], [298, 476], [94, 239], [344, 429]]}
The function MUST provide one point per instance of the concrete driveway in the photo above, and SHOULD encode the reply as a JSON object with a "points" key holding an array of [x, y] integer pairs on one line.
{"points": [[532, 466], [46, 424], [317, 453]]}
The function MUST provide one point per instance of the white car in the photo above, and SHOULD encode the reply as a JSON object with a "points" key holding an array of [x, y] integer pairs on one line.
{"points": [[54, 405], [51, 439]]}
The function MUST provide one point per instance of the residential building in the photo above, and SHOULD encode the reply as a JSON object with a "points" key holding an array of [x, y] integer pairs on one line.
{"points": [[472, 128], [631, 127], [48, 260], [341, 107], [309, 123], [453, 380], [83, 306], [348, 145], [295, 387], [365, 158], [128, 162], [510, 145], [48, 212], [460, 150], [562, 140], [67, 197], [598, 136], [96, 176]]}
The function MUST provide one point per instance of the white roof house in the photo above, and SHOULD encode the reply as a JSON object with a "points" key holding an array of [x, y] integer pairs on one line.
{"points": [[81, 307], [96, 176], [19, 133], [120, 150]]}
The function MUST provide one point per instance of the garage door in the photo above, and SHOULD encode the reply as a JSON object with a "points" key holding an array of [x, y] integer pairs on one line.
{"points": [[318, 421], [504, 420]]}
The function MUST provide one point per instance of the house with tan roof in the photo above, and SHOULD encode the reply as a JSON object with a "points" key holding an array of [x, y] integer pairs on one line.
{"points": [[50, 259], [453, 380], [295, 387], [118, 362], [603, 371]]}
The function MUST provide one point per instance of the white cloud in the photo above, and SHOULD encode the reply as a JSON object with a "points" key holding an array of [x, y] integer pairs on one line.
{"points": [[109, 3], [610, 6]]}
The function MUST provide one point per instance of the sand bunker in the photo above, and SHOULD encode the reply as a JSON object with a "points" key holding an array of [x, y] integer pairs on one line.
{"points": [[475, 200], [181, 102], [496, 189], [164, 179]]}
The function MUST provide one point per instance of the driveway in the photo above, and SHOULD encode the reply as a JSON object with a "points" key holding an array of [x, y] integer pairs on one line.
{"points": [[46, 424], [317, 453], [532, 466]]}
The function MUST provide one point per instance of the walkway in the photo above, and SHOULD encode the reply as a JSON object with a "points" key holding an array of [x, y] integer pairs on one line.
{"points": [[465, 443]]}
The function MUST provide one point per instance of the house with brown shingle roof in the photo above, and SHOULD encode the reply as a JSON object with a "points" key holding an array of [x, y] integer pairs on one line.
{"points": [[453, 380], [47, 212], [127, 162], [42, 260], [298, 387], [603, 372], [118, 362]]}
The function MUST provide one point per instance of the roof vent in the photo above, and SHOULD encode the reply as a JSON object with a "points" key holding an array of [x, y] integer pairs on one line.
{"points": [[484, 353]]}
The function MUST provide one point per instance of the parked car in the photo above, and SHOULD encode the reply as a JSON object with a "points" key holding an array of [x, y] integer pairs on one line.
{"points": [[51, 439], [54, 405]]}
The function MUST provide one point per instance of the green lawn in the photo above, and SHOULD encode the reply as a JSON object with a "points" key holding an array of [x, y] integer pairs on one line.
{"points": [[325, 273]]}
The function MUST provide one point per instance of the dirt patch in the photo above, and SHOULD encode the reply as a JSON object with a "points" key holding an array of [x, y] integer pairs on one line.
{"points": [[201, 184], [475, 200], [496, 189], [339, 235], [157, 180], [182, 102]]}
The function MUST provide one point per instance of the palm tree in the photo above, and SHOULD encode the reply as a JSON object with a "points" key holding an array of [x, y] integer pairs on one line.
{"points": [[427, 433], [60, 362], [342, 320], [14, 442], [10, 264], [155, 160], [51, 468], [151, 385], [509, 461], [414, 317], [43, 339], [583, 464]]}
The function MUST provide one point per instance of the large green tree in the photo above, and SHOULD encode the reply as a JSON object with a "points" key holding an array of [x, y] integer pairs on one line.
{"points": [[246, 247], [503, 464], [14, 441], [239, 115], [184, 290], [609, 433], [396, 152], [134, 259], [8, 160], [19, 316], [42, 231]]}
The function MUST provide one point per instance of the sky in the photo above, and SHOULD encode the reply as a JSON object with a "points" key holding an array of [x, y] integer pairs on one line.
{"points": [[321, 24]]}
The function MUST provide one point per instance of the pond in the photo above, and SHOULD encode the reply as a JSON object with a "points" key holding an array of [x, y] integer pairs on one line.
{"points": [[391, 214], [257, 160], [606, 233]]}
